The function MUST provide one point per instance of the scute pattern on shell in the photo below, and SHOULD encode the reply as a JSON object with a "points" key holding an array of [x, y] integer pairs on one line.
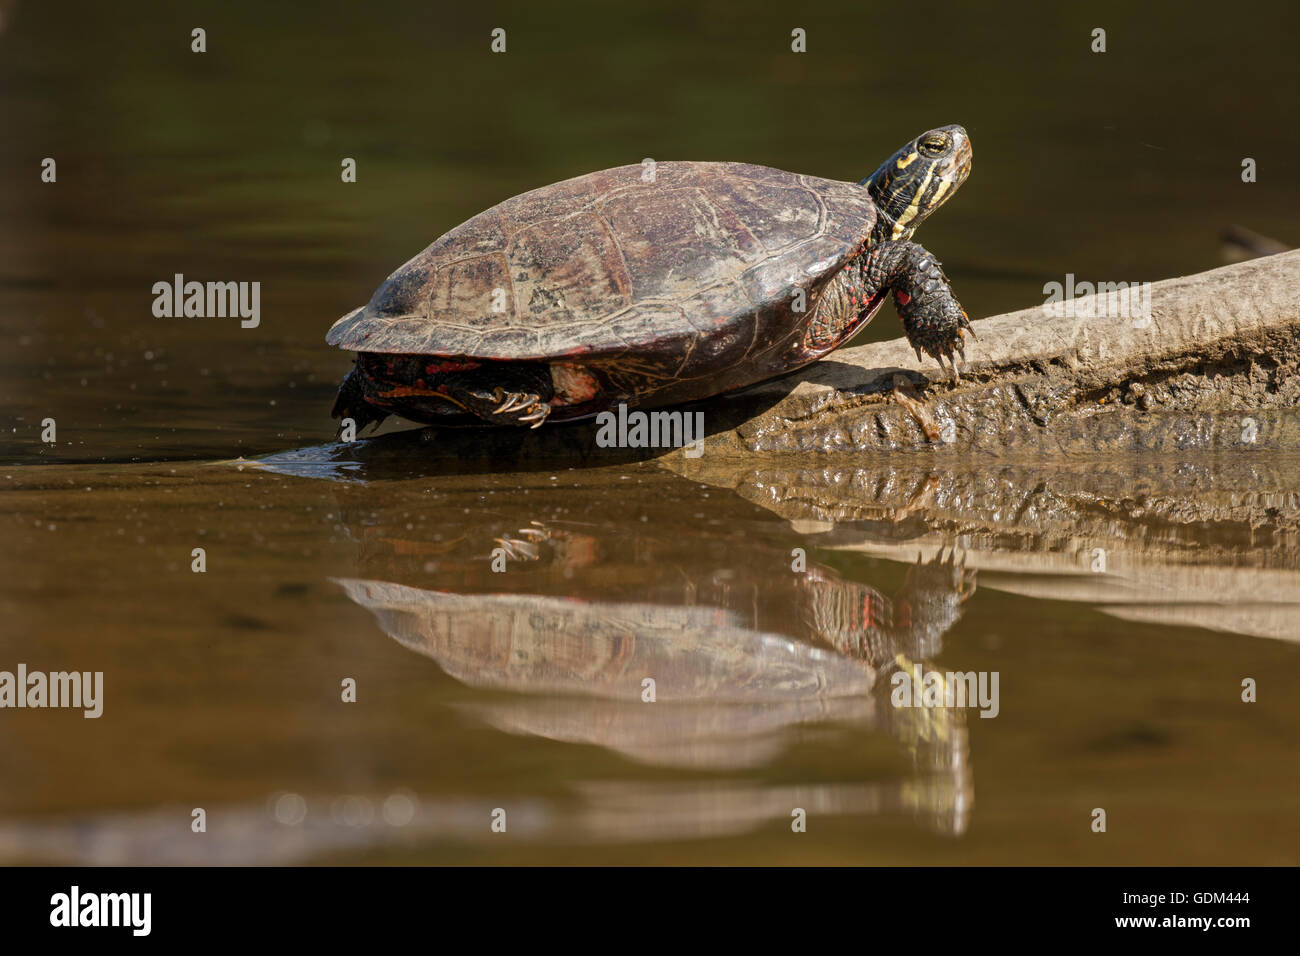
{"points": [[707, 254]]}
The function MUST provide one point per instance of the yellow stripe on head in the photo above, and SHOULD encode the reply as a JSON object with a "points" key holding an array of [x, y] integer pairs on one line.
{"points": [[901, 223]]}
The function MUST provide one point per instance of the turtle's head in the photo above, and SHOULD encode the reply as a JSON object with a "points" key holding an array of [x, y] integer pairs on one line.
{"points": [[917, 180]]}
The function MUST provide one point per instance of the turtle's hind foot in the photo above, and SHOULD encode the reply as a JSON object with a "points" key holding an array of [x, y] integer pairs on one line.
{"points": [[521, 407], [516, 393]]}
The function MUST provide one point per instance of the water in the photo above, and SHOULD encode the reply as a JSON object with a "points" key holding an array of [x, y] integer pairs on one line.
{"points": [[1120, 683]]}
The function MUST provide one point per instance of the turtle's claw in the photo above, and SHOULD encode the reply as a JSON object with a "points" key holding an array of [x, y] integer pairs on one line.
{"points": [[513, 401], [950, 350], [537, 413], [943, 347], [521, 407], [966, 326]]}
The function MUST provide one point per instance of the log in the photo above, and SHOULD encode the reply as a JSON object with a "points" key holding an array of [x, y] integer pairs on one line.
{"points": [[1214, 368]]}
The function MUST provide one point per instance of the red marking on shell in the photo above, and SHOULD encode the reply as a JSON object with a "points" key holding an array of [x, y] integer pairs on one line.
{"points": [[433, 368], [904, 298], [403, 391]]}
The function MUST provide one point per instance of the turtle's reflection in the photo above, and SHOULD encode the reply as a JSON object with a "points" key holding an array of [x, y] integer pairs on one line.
{"points": [[709, 672]]}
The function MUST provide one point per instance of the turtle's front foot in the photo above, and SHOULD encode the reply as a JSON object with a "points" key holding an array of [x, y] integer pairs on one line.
{"points": [[937, 328], [939, 333], [934, 320]]}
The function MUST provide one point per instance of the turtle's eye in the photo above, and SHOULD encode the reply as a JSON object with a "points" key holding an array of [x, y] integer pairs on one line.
{"points": [[933, 144]]}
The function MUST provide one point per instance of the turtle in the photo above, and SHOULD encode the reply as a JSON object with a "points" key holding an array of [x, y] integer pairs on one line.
{"points": [[652, 285]]}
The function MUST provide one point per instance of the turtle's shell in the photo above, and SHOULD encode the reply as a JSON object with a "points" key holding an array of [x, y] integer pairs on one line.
{"points": [[686, 258]]}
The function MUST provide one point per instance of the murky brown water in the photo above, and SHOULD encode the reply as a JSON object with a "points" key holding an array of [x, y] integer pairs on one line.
{"points": [[1121, 603]]}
